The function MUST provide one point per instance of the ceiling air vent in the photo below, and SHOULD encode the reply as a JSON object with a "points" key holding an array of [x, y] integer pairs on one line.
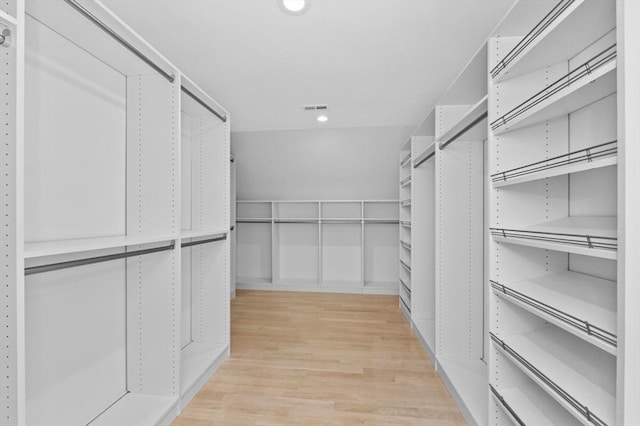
{"points": [[315, 107]]}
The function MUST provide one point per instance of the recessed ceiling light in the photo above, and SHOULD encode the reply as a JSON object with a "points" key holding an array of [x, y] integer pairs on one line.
{"points": [[323, 118], [294, 7]]}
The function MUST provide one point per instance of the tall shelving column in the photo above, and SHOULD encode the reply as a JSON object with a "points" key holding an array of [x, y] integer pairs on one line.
{"points": [[553, 157], [102, 217], [423, 237], [405, 280], [205, 238], [11, 222]]}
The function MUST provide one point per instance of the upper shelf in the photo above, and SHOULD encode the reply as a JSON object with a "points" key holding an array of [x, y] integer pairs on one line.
{"points": [[587, 83], [405, 160], [475, 115], [558, 37], [587, 235], [81, 245], [594, 157]]}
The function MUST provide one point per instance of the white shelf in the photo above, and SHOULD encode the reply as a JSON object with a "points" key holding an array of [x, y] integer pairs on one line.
{"points": [[254, 219], [405, 182], [585, 373], [406, 203], [406, 310], [197, 361], [253, 280], [341, 283], [187, 234], [138, 409], [475, 112], [4, 16], [581, 92], [578, 299], [562, 39], [381, 284], [571, 234], [605, 155], [467, 381], [534, 407], [297, 282], [53, 248], [405, 160]]}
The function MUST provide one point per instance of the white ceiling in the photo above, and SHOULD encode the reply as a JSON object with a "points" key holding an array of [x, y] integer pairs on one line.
{"points": [[374, 62]]}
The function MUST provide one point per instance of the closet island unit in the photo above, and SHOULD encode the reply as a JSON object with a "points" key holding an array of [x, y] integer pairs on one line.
{"points": [[116, 288], [326, 246], [521, 221]]}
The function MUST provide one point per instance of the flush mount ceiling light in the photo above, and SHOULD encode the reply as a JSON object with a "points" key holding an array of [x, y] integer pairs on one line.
{"points": [[323, 118], [294, 7]]}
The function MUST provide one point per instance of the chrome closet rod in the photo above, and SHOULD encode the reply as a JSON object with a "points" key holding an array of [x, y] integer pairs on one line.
{"points": [[206, 106], [91, 260], [104, 27], [199, 242], [464, 130], [425, 159]]}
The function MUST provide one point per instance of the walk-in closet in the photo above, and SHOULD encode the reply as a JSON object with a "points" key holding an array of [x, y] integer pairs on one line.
{"points": [[422, 212]]}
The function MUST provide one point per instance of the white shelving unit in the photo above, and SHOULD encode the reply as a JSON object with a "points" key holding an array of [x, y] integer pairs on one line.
{"points": [[328, 246], [205, 238], [94, 197], [555, 190], [233, 232], [405, 255]]}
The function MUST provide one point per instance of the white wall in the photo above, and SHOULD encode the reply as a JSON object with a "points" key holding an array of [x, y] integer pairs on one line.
{"points": [[319, 164]]}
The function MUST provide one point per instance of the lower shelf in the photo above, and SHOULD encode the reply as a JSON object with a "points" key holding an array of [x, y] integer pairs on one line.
{"points": [[198, 362], [137, 409], [253, 280], [576, 374], [532, 406], [467, 381]]}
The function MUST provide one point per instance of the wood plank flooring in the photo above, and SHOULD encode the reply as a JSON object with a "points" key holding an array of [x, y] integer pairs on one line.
{"points": [[321, 359]]}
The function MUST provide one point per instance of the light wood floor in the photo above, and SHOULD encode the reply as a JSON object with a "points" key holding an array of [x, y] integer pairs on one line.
{"points": [[321, 359]]}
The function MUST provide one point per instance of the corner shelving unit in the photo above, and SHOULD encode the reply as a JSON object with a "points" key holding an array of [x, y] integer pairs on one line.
{"points": [[205, 246], [553, 156], [347, 246]]}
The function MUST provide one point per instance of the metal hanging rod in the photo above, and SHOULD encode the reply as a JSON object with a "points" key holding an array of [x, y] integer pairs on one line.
{"points": [[104, 27], [207, 241], [206, 106], [464, 130], [424, 159], [232, 228], [506, 406], [91, 260]]}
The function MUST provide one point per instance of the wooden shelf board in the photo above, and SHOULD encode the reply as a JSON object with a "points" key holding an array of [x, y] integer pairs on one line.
{"points": [[563, 39], [582, 296], [582, 92], [534, 407], [571, 364], [560, 171], [53, 248], [139, 409], [467, 381], [601, 226]]}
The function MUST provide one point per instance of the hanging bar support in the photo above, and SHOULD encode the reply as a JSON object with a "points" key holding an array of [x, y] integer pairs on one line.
{"points": [[104, 27], [206, 106], [464, 130], [207, 241], [91, 260]]}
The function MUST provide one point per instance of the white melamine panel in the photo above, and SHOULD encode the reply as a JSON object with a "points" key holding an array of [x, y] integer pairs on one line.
{"points": [[152, 156], [254, 209], [185, 171], [296, 210], [587, 374], [297, 254], [9, 7], [381, 255], [337, 210], [140, 410], [254, 251], [459, 248], [210, 288], [152, 315], [196, 365], [76, 343], [381, 210], [75, 156], [342, 254], [185, 297]]}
